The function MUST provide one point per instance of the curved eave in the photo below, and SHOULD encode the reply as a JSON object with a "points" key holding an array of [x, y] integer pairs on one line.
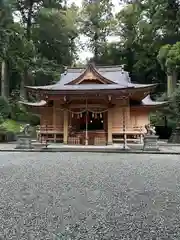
{"points": [[148, 102], [40, 88], [156, 105], [36, 104], [68, 89]]}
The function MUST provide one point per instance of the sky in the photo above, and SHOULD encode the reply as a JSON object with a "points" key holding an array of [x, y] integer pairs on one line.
{"points": [[83, 54]]}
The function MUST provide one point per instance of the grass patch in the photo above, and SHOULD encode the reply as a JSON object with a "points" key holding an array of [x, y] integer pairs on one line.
{"points": [[11, 126]]}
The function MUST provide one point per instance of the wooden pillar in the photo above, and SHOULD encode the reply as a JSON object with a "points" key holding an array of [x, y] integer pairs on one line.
{"points": [[109, 126], [124, 127], [54, 119], [65, 136], [54, 114]]}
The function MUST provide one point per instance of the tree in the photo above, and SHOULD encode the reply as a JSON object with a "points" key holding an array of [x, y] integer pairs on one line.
{"points": [[6, 22], [165, 17], [169, 58], [54, 37], [29, 10], [54, 34], [49, 35], [143, 27], [127, 30], [96, 24]]}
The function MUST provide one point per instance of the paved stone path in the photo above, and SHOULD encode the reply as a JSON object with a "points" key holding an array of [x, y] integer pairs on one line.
{"points": [[89, 196], [164, 147]]}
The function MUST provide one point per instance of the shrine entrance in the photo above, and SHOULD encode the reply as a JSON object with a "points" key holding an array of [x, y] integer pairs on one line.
{"points": [[88, 127], [95, 122]]}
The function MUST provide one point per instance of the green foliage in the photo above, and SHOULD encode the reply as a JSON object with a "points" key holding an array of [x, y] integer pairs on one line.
{"points": [[34, 120], [169, 57], [162, 56], [51, 25], [157, 119], [1, 119], [97, 23], [173, 58], [5, 109], [174, 105], [40, 44], [19, 113], [11, 126], [171, 111]]}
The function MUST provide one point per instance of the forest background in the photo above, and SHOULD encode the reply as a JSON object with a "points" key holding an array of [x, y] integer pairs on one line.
{"points": [[39, 38]]}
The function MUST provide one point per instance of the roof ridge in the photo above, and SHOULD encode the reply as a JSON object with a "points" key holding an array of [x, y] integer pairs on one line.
{"points": [[96, 66], [108, 66], [112, 70]]}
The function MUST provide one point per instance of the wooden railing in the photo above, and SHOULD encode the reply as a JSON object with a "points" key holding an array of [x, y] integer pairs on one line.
{"points": [[131, 133], [128, 128], [50, 133], [51, 128], [55, 133]]}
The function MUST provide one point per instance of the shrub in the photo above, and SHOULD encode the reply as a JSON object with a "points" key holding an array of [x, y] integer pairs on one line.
{"points": [[34, 119], [19, 113], [1, 119], [11, 126], [5, 108]]}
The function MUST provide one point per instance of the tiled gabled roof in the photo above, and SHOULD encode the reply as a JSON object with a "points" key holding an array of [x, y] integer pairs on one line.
{"points": [[120, 80], [114, 74]]}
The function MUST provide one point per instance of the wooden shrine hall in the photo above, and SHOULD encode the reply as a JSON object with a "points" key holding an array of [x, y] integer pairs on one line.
{"points": [[93, 106]]}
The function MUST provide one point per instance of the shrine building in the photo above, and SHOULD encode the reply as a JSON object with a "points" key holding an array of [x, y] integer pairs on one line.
{"points": [[94, 105]]}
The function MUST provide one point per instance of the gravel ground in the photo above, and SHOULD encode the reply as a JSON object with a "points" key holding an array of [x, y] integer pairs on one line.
{"points": [[65, 196]]}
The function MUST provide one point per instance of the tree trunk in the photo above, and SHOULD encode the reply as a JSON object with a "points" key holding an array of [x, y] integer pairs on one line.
{"points": [[23, 93], [96, 47], [171, 83], [22, 90], [4, 79], [174, 80]]}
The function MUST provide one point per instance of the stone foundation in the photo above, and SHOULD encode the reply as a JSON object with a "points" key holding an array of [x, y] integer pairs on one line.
{"points": [[24, 142], [151, 143]]}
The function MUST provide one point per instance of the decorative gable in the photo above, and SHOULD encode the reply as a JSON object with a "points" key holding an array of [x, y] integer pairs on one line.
{"points": [[91, 76]]}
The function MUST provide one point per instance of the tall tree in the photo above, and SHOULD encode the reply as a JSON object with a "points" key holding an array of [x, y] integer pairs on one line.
{"points": [[127, 30], [6, 22], [165, 15], [50, 27], [169, 58], [143, 27], [54, 36], [96, 24]]}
